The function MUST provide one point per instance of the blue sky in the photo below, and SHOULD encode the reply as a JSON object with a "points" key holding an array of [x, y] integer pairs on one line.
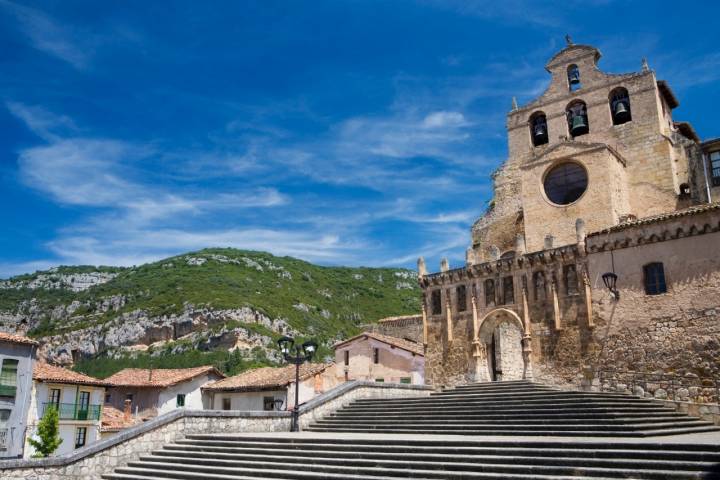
{"points": [[341, 132]]}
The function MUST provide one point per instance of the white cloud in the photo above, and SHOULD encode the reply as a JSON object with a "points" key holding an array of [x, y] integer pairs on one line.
{"points": [[48, 35]]}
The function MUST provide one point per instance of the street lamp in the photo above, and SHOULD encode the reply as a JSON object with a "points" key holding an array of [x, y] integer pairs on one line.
{"points": [[296, 354], [610, 280]]}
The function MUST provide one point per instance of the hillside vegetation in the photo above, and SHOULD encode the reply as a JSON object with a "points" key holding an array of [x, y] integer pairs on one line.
{"points": [[194, 308]]}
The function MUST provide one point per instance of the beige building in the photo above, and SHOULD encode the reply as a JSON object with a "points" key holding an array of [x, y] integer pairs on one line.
{"points": [[269, 388], [159, 390], [381, 358], [601, 185]]}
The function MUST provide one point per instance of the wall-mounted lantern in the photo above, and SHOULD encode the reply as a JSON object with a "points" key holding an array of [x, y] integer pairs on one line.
{"points": [[610, 281]]}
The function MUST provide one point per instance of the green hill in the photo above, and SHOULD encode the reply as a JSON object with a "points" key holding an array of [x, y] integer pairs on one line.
{"points": [[188, 309]]}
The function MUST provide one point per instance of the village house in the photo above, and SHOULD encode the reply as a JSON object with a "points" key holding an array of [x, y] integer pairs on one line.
{"points": [[78, 399], [380, 358], [269, 388], [17, 358], [152, 392]]}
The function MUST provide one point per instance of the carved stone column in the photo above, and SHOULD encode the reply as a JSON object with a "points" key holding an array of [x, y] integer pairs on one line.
{"points": [[448, 310], [588, 297], [526, 342], [556, 303], [425, 323]]}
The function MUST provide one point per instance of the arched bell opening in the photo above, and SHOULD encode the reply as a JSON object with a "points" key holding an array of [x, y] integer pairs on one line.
{"points": [[502, 350], [577, 118], [620, 106], [538, 129], [573, 77]]}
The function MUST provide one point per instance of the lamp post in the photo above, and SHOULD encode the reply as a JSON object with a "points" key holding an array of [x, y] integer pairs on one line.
{"points": [[610, 280], [297, 355]]}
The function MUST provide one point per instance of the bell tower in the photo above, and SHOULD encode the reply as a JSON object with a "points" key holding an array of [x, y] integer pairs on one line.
{"points": [[594, 146]]}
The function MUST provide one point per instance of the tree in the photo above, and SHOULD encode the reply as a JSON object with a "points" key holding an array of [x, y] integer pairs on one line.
{"points": [[48, 431]]}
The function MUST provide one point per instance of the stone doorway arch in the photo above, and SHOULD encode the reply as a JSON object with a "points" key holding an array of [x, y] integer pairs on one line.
{"points": [[500, 347]]}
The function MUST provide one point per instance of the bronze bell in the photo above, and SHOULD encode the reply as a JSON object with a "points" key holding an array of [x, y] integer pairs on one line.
{"points": [[621, 111], [574, 76], [540, 131], [578, 125]]}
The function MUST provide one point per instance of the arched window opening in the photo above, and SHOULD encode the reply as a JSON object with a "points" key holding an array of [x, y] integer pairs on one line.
{"points": [[571, 279], [539, 291], [577, 118], [461, 298], [573, 75], [436, 302], [654, 278], [508, 291], [490, 292], [620, 106], [508, 254], [538, 129]]}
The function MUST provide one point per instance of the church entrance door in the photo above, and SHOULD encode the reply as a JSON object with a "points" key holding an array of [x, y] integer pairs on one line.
{"points": [[501, 332]]}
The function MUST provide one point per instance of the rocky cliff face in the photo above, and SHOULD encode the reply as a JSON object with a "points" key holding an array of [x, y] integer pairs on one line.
{"points": [[207, 301]]}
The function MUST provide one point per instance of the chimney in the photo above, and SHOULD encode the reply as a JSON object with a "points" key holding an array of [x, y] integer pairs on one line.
{"points": [[150, 374], [127, 411]]}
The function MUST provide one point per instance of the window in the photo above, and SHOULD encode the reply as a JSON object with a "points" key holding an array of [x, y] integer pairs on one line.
{"points": [[347, 357], [55, 397], [4, 416], [268, 403], [80, 436], [406, 380], [380, 380], [376, 355], [490, 292], [129, 396], [436, 302], [570, 278], [573, 75], [8, 377], [654, 278], [508, 291], [539, 290], [715, 167], [565, 183], [577, 118], [620, 106], [108, 397], [538, 129], [180, 400], [83, 405], [461, 298], [226, 403]]}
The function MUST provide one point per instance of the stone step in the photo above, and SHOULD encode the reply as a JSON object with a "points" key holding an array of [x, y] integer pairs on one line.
{"points": [[421, 442], [610, 415], [426, 463], [509, 421], [531, 399], [555, 407], [398, 469], [526, 432], [440, 450], [537, 426]]}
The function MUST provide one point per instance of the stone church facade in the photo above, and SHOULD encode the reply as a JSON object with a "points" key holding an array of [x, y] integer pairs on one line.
{"points": [[600, 249]]}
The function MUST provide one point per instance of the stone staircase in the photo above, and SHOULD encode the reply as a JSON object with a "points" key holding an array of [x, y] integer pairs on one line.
{"points": [[224, 457], [519, 408], [529, 431]]}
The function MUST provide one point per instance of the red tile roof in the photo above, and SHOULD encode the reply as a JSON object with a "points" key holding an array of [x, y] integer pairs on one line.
{"points": [[113, 419], [266, 378], [158, 377], [9, 337], [407, 345], [44, 372]]}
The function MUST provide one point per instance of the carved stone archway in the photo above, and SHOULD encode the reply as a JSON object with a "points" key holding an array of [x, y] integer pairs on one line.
{"points": [[501, 347]]}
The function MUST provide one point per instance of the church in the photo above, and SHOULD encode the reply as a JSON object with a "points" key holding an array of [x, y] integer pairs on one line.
{"points": [[599, 253]]}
